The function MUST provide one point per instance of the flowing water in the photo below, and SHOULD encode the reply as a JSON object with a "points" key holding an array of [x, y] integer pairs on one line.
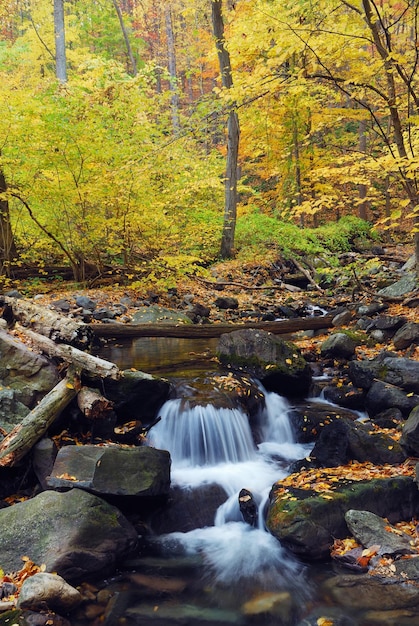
{"points": [[228, 571]]}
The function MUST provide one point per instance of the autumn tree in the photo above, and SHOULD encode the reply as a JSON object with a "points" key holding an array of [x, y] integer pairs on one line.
{"points": [[233, 134]]}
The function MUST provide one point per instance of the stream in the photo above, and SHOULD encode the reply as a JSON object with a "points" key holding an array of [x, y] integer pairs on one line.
{"points": [[226, 572]]}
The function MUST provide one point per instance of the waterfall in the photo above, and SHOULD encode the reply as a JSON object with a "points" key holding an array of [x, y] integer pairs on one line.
{"points": [[203, 435], [215, 445]]}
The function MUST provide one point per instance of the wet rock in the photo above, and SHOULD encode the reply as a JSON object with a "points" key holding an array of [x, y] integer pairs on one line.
{"points": [[277, 363], [370, 529], [181, 614], [187, 509], [136, 472], [339, 345], [396, 617], [73, 533], [307, 523], [309, 418], [49, 590], [347, 396], [333, 616], [271, 605], [390, 418], [137, 396], [248, 507], [369, 592]]}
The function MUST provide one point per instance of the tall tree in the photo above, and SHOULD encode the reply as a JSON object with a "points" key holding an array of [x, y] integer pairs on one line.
{"points": [[233, 135], [60, 50], [7, 242]]}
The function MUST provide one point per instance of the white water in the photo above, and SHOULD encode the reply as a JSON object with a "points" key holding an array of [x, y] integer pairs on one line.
{"points": [[210, 445]]}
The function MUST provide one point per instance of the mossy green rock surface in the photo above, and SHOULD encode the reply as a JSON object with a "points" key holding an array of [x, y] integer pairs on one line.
{"points": [[308, 522], [278, 364]]}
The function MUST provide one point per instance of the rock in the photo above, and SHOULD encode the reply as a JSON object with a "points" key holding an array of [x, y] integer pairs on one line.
{"points": [[137, 396], [155, 314], [341, 319], [43, 457], [49, 590], [74, 534], [328, 616], [370, 529], [406, 336], [62, 305], [198, 312], [371, 309], [113, 470], [402, 287], [345, 440], [248, 507], [277, 605], [389, 323], [86, 303], [339, 345], [225, 302], [187, 509], [364, 372], [410, 434], [401, 372], [308, 523], [390, 418], [11, 410], [309, 418], [277, 363], [30, 375], [364, 591], [347, 396], [382, 396]]}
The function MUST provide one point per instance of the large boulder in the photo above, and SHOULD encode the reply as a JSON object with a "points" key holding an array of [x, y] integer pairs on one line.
{"points": [[113, 470], [382, 396], [340, 346], [406, 336], [308, 522], [30, 375], [74, 534], [156, 314], [278, 364]]}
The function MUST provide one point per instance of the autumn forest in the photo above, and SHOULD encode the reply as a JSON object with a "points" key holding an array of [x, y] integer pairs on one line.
{"points": [[157, 137]]}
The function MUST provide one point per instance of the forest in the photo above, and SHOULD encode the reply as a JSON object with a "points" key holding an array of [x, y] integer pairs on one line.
{"points": [[150, 139]]}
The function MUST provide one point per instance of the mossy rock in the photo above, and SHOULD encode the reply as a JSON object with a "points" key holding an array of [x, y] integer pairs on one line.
{"points": [[308, 522], [278, 364]]}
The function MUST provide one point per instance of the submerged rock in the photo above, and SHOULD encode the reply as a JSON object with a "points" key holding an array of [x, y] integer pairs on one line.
{"points": [[45, 589]]}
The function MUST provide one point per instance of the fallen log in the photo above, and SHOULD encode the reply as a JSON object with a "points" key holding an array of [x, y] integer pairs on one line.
{"points": [[208, 331], [79, 359], [47, 322], [92, 404], [23, 437]]}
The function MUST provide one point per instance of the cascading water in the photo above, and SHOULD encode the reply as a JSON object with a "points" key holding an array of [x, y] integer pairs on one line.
{"points": [[215, 445]]}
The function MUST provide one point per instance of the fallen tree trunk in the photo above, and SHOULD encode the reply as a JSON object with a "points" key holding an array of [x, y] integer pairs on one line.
{"points": [[92, 404], [79, 359], [32, 428], [207, 331], [47, 322]]}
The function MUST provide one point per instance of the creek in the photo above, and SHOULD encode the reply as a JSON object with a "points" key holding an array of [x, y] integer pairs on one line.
{"points": [[228, 572]]}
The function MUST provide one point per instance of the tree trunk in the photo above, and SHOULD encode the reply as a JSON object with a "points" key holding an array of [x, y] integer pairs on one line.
{"points": [[362, 188], [171, 56], [80, 360], [7, 243], [130, 53], [47, 322], [233, 135], [92, 404], [208, 331], [23, 437], [59, 31]]}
